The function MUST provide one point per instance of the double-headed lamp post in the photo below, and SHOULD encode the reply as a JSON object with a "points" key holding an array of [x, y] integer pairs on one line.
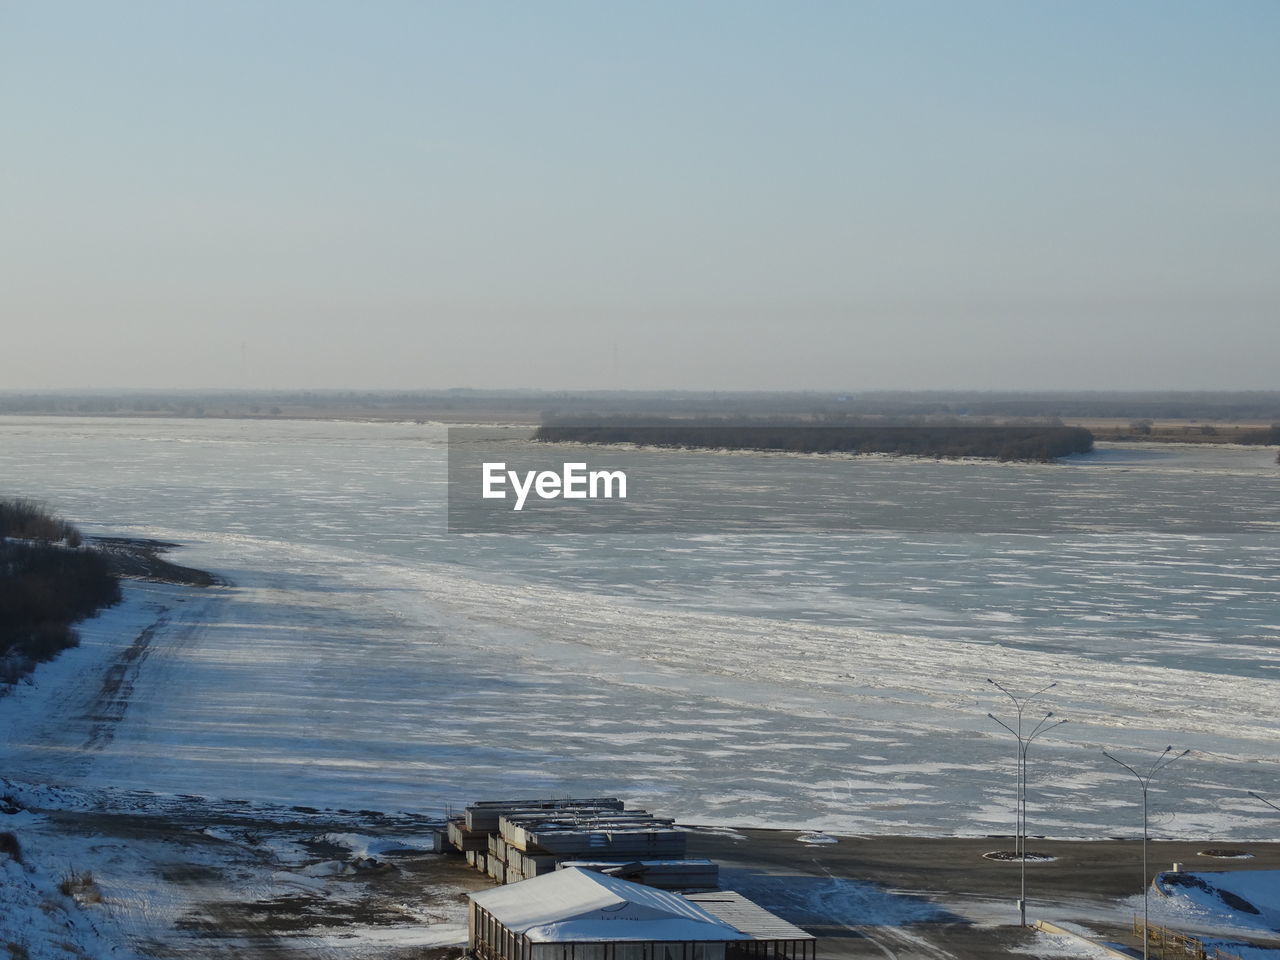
{"points": [[1019, 705], [1162, 761], [1044, 725]]}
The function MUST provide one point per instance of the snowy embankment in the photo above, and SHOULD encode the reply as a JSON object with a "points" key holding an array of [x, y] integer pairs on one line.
{"points": [[79, 747], [1248, 899], [49, 909], [259, 882], [51, 906]]}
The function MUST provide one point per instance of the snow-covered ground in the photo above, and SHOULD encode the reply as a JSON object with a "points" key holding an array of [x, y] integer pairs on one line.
{"points": [[167, 888], [1244, 899], [1046, 945], [37, 918], [184, 874]]}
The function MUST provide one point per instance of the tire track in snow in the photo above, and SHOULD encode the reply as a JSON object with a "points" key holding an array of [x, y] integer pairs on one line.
{"points": [[113, 698]]}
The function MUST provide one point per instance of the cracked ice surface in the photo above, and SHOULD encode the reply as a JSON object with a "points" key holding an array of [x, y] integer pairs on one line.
{"points": [[364, 658]]}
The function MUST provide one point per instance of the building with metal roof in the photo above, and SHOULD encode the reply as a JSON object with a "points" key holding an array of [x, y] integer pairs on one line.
{"points": [[576, 914]]}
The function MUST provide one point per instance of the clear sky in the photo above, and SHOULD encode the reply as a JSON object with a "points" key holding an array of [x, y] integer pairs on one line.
{"points": [[727, 195]]}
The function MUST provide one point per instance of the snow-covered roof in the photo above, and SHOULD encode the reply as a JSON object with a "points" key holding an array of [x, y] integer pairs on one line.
{"points": [[575, 905]]}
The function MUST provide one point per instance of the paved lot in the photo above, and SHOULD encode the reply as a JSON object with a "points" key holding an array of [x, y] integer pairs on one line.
{"points": [[940, 898]]}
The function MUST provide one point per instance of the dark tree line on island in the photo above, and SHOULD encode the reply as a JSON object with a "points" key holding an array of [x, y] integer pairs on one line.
{"points": [[1266, 436], [48, 582], [1024, 442]]}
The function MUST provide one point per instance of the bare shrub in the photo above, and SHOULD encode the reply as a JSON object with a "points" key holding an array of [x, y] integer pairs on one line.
{"points": [[48, 581], [80, 886], [9, 845], [31, 520]]}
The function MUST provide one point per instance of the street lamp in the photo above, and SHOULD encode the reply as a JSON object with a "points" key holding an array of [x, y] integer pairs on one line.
{"points": [[1263, 799], [1019, 705], [1161, 762], [1024, 743]]}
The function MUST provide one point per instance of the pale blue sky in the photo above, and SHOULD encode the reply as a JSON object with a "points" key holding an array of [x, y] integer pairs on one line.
{"points": [[730, 195]]}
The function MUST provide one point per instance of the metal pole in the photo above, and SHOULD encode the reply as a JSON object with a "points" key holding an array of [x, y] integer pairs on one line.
{"points": [[1022, 808], [1041, 728], [1020, 801], [1146, 886], [1020, 759], [1022, 854], [1160, 763], [1017, 760], [1263, 799]]}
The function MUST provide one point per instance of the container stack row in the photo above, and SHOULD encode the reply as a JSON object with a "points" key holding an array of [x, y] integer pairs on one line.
{"points": [[514, 840]]}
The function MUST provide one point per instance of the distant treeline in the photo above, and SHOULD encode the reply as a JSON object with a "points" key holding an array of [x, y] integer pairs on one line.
{"points": [[1231, 406], [1266, 437], [48, 581], [1170, 405], [1040, 443]]}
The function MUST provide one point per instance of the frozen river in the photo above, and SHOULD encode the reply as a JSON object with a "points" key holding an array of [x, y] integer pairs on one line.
{"points": [[812, 676]]}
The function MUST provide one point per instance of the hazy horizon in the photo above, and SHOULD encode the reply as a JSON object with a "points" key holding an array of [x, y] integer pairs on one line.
{"points": [[573, 196]]}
